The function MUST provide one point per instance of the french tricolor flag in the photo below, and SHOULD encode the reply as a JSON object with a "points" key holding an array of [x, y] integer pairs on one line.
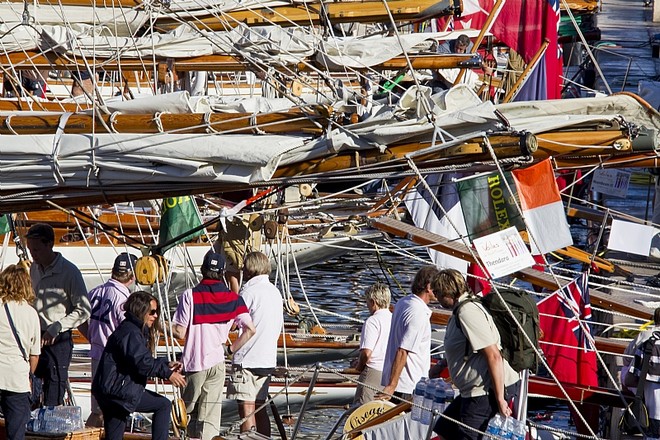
{"points": [[542, 208]]}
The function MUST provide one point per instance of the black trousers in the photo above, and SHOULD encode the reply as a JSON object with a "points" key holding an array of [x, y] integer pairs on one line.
{"points": [[16, 410], [53, 368], [115, 417]]}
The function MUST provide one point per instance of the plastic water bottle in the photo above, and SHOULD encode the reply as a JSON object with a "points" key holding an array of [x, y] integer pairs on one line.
{"points": [[418, 399], [495, 425], [507, 428], [429, 394], [519, 430], [439, 398]]}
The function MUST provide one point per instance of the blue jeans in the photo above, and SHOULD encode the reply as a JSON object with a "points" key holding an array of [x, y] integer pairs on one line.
{"points": [[16, 409], [475, 412], [53, 368], [115, 417]]}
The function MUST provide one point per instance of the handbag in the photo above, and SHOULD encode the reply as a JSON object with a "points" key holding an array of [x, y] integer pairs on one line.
{"points": [[635, 418], [36, 383]]}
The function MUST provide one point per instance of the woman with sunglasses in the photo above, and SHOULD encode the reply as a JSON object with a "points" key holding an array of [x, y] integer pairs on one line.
{"points": [[125, 366]]}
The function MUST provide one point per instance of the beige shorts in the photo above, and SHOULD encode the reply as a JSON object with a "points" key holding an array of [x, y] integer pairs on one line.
{"points": [[246, 386]]}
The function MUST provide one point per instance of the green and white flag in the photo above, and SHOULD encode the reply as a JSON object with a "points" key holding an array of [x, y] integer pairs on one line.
{"points": [[488, 206], [179, 215], [4, 224]]}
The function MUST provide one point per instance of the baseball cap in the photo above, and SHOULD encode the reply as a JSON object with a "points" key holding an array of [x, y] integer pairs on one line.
{"points": [[124, 262], [41, 231], [213, 262]]}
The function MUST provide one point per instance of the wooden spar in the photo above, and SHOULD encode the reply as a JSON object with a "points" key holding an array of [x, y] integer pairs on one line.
{"points": [[505, 145], [581, 6], [497, 7], [23, 104], [579, 393], [397, 194], [526, 71], [459, 250], [475, 150], [289, 341], [294, 120], [581, 142], [642, 160], [223, 63], [585, 257], [314, 14]]}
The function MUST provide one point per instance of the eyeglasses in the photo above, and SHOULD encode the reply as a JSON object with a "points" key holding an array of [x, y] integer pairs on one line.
{"points": [[153, 312]]}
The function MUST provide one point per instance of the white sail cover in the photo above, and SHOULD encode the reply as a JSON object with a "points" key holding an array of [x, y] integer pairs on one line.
{"points": [[46, 161]]}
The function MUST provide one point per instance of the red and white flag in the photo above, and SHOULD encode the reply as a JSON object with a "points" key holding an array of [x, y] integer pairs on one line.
{"points": [[523, 25], [542, 208], [567, 342]]}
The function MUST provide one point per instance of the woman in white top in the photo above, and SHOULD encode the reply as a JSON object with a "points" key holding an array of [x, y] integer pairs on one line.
{"points": [[373, 343], [16, 361]]}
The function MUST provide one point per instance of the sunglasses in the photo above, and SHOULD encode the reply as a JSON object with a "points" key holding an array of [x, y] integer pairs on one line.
{"points": [[153, 312]]}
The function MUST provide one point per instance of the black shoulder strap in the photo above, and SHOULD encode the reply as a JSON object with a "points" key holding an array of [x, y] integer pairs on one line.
{"points": [[13, 330], [468, 348], [461, 304]]}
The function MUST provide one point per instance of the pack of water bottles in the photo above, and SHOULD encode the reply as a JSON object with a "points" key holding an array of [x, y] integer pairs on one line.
{"points": [[57, 419], [431, 396], [507, 428]]}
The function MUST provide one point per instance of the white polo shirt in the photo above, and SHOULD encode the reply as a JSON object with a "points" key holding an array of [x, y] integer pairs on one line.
{"points": [[375, 333], [411, 330]]}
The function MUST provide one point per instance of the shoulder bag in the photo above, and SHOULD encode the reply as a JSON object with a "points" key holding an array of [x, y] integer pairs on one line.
{"points": [[635, 418]]}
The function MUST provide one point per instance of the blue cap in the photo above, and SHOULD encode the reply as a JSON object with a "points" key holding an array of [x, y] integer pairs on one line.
{"points": [[213, 262], [124, 262]]}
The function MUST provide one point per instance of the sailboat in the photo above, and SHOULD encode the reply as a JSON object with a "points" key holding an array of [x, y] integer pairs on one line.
{"points": [[324, 124]]}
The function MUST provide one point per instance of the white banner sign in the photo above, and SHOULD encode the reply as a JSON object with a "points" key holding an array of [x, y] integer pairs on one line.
{"points": [[503, 252], [631, 237], [611, 182]]}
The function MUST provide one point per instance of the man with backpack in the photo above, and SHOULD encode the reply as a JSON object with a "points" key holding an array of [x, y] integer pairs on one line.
{"points": [[485, 380]]}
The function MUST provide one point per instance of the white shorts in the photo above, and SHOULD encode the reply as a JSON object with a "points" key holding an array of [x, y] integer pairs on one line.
{"points": [[246, 386]]}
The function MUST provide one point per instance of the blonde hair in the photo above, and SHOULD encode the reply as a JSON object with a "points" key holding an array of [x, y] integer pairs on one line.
{"points": [[255, 263], [379, 294], [16, 285]]}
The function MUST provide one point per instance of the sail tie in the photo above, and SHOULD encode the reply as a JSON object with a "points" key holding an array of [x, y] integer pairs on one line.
{"points": [[255, 124], [8, 124], [209, 126], [56, 147], [112, 121], [159, 123]]}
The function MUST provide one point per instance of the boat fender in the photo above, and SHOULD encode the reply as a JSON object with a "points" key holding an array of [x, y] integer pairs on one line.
{"points": [[317, 330], [149, 269], [270, 229]]}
